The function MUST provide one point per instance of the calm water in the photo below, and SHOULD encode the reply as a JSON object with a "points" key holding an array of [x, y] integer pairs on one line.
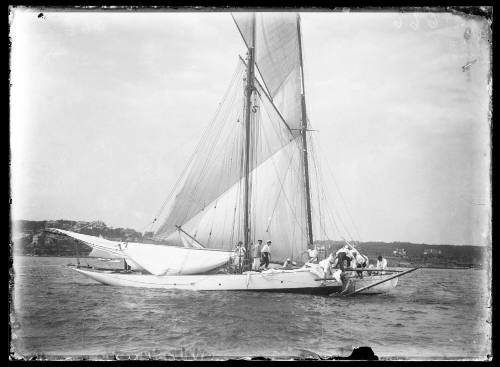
{"points": [[431, 314]]}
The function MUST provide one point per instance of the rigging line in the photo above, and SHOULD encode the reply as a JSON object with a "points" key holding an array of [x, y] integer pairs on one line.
{"points": [[320, 186], [239, 182], [264, 90], [202, 170], [234, 146], [229, 117], [236, 214], [317, 181], [284, 194], [281, 189], [220, 110], [278, 132], [268, 145], [257, 152], [226, 115], [325, 196], [324, 193], [226, 162], [211, 151], [201, 142], [275, 108], [211, 156], [329, 213], [247, 46], [237, 143], [340, 194], [279, 193]]}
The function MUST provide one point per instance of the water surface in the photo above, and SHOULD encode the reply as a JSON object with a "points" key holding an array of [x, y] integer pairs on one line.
{"points": [[431, 314]]}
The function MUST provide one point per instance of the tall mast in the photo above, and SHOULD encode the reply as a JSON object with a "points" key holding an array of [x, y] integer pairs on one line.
{"points": [[248, 110], [304, 143]]}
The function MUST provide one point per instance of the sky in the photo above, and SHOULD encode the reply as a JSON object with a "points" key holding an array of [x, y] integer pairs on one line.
{"points": [[106, 109]]}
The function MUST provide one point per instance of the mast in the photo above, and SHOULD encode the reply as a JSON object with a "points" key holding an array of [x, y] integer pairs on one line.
{"points": [[249, 88], [304, 143]]}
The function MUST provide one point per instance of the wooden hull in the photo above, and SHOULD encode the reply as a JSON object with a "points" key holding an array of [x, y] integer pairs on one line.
{"points": [[284, 281]]}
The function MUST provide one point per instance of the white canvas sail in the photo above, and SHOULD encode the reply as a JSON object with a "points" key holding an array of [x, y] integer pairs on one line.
{"points": [[278, 58], [209, 204], [104, 254], [156, 259]]}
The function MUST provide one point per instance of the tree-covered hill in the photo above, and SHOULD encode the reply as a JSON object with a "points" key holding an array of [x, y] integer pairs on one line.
{"points": [[29, 238]]}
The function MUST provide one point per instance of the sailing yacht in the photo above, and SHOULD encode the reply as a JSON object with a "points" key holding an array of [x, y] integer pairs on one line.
{"points": [[248, 179]]}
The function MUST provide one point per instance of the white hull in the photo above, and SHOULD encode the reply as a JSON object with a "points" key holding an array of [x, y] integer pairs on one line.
{"points": [[295, 281], [367, 280]]}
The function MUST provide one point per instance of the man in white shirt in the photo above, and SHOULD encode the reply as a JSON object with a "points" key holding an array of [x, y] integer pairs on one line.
{"points": [[313, 255], [359, 261], [381, 263], [239, 254], [257, 255], [327, 265], [266, 254], [344, 254]]}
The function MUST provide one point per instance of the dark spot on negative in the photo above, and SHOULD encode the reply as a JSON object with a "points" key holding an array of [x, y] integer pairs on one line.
{"points": [[40, 15]]}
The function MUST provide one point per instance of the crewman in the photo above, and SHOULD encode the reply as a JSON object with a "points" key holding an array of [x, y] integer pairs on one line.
{"points": [[289, 264], [313, 255], [381, 263], [344, 254], [360, 261], [266, 254], [239, 254], [327, 265], [257, 255]]}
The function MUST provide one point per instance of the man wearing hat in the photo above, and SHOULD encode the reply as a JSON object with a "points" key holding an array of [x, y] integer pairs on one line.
{"points": [[239, 254], [257, 255], [266, 254]]}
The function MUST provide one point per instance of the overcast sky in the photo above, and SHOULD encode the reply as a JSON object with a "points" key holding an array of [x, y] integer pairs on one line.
{"points": [[106, 109]]}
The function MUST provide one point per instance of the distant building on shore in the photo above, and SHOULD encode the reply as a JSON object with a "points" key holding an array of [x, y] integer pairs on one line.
{"points": [[432, 252], [400, 252]]}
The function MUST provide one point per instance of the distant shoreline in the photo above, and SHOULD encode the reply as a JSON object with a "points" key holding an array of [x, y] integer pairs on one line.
{"points": [[422, 266]]}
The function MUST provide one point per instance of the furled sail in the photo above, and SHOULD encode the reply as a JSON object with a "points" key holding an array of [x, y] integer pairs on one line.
{"points": [[172, 260], [156, 259]]}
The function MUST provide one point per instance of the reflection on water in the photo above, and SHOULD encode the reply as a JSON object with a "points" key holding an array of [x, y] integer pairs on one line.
{"points": [[432, 314]]}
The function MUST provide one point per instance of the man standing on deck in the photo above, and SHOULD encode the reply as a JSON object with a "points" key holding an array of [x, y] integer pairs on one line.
{"points": [[239, 254], [257, 255], [266, 254], [381, 263]]}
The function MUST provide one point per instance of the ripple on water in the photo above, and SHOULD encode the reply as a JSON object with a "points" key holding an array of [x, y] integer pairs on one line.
{"points": [[58, 310]]}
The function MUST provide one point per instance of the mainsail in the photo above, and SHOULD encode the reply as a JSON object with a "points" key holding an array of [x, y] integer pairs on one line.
{"points": [[209, 204]]}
